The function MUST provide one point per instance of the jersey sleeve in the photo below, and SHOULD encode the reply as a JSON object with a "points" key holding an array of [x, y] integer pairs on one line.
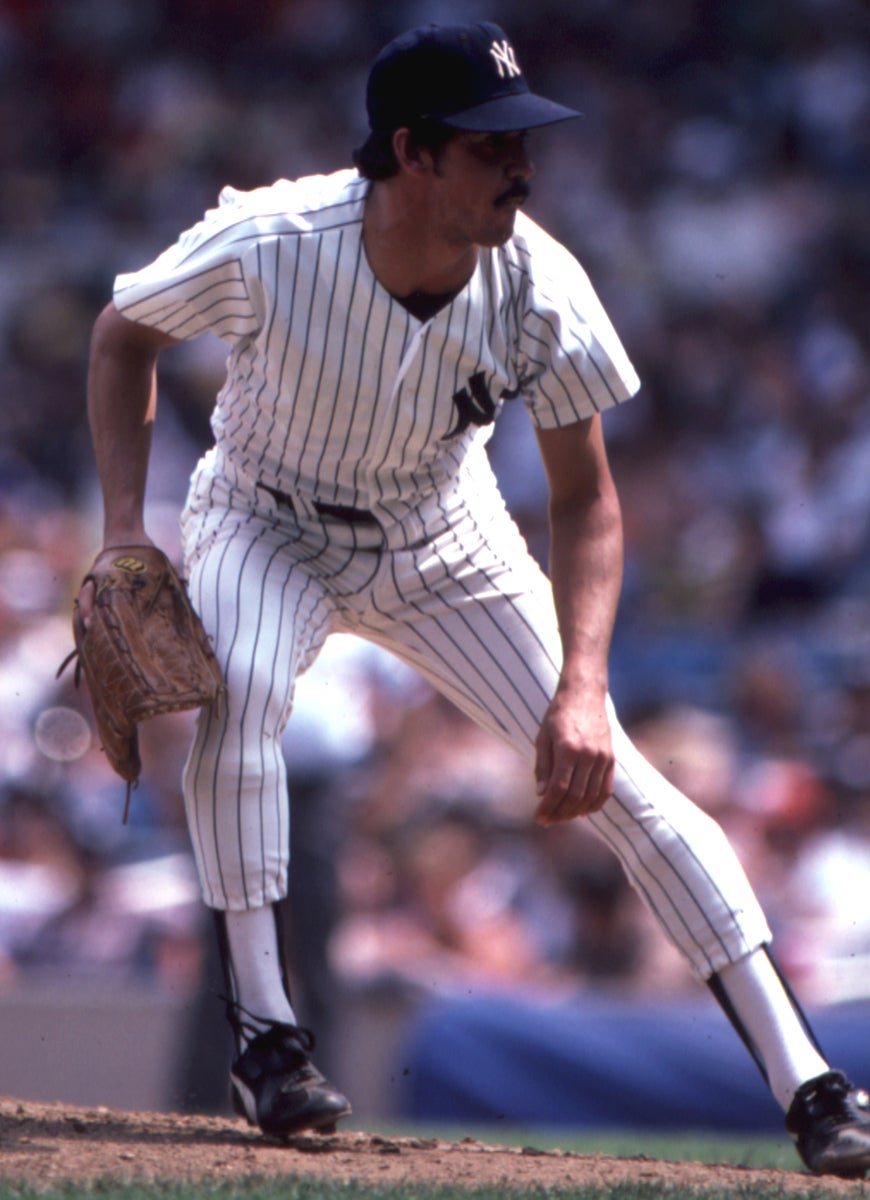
{"points": [[572, 356], [199, 284]]}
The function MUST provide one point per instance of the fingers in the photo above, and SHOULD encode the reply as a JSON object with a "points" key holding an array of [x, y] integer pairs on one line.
{"points": [[86, 601], [575, 763], [574, 786]]}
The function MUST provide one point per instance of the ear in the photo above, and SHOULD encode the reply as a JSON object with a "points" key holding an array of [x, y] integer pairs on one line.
{"points": [[413, 159]]}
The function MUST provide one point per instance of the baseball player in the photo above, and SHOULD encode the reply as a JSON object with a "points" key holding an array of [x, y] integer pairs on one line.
{"points": [[378, 320]]}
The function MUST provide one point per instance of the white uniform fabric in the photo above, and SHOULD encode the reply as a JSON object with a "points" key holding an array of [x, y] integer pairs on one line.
{"points": [[337, 395], [334, 390]]}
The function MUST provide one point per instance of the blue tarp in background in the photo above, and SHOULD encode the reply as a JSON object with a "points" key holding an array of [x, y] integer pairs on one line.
{"points": [[603, 1063]]}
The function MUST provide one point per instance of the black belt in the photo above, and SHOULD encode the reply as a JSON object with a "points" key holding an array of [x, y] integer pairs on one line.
{"points": [[338, 512]]}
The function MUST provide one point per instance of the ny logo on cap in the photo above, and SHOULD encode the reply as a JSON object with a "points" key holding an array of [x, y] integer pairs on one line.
{"points": [[505, 59]]}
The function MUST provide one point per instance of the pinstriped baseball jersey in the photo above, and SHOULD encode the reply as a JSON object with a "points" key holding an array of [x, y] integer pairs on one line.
{"points": [[334, 390]]}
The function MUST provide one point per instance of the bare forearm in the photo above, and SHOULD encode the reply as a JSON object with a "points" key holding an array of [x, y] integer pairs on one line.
{"points": [[121, 410], [586, 574], [574, 765]]}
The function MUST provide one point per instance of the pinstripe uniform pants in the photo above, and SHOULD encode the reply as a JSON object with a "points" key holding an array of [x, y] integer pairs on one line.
{"points": [[473, 613]]}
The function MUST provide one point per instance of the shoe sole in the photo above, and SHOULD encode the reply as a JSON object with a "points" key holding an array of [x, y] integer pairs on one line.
{"points": [[324, 1122], [843, 1169]]}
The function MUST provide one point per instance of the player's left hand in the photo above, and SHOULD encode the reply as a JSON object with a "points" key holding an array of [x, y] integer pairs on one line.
{"points": [[575, 762]]}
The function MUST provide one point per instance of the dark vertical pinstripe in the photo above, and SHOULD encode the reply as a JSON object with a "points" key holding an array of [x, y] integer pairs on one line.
{"points": [[336, 407]]}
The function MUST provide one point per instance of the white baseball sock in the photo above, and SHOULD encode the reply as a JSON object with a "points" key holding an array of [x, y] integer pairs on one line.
{"points": [[256, 966], [760, 1001]]}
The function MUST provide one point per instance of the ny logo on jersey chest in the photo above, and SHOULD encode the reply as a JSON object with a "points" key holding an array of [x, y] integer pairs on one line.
{"points": [[474, 406]]}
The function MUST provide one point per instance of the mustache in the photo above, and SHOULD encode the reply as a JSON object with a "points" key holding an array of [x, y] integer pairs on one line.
{"points": [[517, 191]]}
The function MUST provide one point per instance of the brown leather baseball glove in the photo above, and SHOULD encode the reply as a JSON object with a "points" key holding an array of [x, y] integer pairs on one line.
{"points": [[144, 651]]}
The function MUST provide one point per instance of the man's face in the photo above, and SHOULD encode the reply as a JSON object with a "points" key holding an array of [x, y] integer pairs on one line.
{"points": [[479, 182]]}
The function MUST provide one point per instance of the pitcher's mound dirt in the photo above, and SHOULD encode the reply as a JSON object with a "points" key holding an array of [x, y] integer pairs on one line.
{"points": [[48, 1144]]}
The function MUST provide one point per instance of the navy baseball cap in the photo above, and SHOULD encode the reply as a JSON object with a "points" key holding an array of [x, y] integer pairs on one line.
{"points": [[464, 76]]}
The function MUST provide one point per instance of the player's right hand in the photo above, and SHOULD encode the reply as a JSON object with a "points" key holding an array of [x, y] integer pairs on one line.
{"points": [[87, 592], [86, 601]]}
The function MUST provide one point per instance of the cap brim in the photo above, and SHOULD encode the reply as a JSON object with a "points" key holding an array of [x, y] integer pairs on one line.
{"points": [[521, 110]]}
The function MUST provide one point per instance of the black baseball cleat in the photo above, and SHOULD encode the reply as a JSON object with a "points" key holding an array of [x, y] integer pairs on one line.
{"points": [[829, 1120], [275, 1084]]}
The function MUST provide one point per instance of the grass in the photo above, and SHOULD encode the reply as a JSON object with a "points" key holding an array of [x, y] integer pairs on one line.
{"points": [[294, 1189], [746, 1151], [736, 1151]]}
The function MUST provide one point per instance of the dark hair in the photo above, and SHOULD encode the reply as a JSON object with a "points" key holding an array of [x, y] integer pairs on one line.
{"points": [[376, 160]]}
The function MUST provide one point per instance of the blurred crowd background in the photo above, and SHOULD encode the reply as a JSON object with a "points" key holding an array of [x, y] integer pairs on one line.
{"points": [[717, 193]]}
